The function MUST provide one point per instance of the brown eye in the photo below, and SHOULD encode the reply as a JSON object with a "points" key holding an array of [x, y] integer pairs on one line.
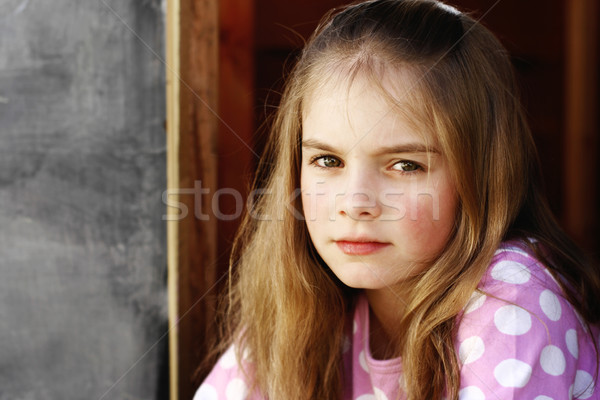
{"points": [[406, 166], [328, 162]]}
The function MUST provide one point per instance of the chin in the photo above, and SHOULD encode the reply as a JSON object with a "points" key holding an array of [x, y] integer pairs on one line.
{"points": [[359, 276]]}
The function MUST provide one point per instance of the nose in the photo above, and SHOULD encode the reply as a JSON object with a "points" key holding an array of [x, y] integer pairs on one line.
{"points": [[360, 199]]}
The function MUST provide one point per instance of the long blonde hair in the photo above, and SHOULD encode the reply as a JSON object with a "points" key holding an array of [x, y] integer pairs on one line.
{"points": [[285, 308]]}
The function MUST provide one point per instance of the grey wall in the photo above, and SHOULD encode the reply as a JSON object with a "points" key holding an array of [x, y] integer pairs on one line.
{"points": [[82, 167]]}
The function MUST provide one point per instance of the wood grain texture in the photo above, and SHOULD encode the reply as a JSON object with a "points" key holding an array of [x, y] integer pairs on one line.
{"points": [[197, 161], [581, 140], [173, 89], [237, 156]]}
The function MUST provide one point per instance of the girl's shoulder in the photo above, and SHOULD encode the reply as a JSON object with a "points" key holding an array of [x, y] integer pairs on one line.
{"points": [[514, 263], [519, 335]]}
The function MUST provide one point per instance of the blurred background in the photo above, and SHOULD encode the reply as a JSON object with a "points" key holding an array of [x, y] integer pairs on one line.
{"points": [[85, 250]]}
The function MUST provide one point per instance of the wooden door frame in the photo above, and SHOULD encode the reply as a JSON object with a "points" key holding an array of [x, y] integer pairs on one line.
{"points": [[192, 129], [581, 130], [210, 72]]}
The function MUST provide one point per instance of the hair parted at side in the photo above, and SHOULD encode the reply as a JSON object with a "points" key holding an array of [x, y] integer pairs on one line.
{"points": [[287, 312]]}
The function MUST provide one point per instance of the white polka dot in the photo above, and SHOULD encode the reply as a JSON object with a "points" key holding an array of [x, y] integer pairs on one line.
{"points": [[379, 394], [511, 272], [206, 392], [570, 392], [572, 343], [584, 385], [553, 360], [550, 305], [512, 320], [236, 389], [363, 361], [477, 299], [471, 349], [542, 397], [471, 393], [228, 360], [512, 373], [367, 397]]}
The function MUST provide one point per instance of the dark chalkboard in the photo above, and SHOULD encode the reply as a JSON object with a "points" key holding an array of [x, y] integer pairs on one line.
{"points": [[82, 167]]}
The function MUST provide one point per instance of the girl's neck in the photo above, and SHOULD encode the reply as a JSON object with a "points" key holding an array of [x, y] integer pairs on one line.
{"points": [[386, 312]]}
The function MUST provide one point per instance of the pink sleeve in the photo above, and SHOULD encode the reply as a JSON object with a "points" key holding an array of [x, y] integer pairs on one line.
{"points": [[522, 339], [225, 381]]}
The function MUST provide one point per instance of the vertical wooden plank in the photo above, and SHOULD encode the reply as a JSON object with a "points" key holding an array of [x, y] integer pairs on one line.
{"points": [[172, 89], [236, 108], [581, 142], [211, 50], [198, 169], [192, 138]]}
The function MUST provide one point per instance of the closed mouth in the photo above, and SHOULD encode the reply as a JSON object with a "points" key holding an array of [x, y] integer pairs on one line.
{"points": [[360, 246]]}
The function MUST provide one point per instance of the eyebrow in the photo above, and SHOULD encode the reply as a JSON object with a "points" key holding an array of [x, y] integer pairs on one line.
{"points": [[401, 148]]}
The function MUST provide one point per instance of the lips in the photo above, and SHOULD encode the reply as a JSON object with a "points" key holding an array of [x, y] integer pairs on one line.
{"points": [[360, 247]]}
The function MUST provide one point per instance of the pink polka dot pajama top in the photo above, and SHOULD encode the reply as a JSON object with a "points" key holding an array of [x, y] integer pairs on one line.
{"points": [[517, 338]]}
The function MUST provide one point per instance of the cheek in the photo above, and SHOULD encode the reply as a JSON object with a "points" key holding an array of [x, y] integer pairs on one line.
{"points": [[435, 216], [418, 206], [436, 204], [314, 199], [304, 185], [308, 208], [428, 218]]}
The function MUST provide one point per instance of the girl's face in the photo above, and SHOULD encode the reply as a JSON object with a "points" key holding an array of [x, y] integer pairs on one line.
{"points": [[377, 195]]}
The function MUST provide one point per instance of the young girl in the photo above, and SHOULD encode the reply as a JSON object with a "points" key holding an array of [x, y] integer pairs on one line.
{"points": [[419, 260]]}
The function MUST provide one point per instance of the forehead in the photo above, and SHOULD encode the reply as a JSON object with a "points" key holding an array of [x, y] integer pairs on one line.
{"points": [[371, 106]]}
